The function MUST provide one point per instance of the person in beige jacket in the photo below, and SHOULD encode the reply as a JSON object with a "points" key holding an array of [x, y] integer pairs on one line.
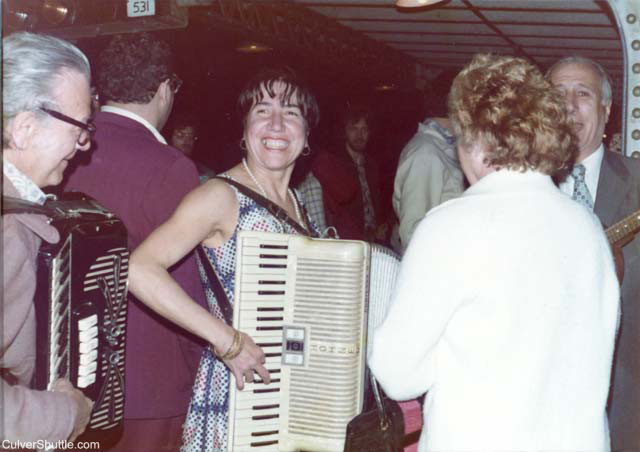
{"points": [[428, 174], [46, 107]]}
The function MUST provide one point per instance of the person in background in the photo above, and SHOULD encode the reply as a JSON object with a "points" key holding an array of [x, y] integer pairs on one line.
{"points": [[135, 174], [184, 135], [349, 178], [514, 342], [95, 100], [428, 171], [278, 113], [608, 184], [46, 119]]}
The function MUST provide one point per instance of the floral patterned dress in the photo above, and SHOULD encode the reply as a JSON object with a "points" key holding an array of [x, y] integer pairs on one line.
{"points": [[205, 429]]}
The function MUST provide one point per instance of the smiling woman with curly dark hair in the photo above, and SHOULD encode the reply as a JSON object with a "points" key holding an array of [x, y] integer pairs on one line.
{"points": [[506, 306], [278, 112]]}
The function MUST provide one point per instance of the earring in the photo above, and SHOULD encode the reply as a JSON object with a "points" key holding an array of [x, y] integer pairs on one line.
{"points": [[306, 151], [243, 144]]}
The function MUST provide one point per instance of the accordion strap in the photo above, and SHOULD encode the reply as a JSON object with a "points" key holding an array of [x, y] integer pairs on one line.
{"points": [[273, 208], [382, 412], [17, 205], [74, 205], [216, 286]]}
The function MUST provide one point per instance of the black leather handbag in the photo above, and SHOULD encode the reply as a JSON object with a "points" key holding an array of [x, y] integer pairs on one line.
{"points": [[380, 429]]}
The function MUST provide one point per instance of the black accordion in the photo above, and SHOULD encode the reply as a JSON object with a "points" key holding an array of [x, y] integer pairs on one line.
{"points": [[81, 304]]}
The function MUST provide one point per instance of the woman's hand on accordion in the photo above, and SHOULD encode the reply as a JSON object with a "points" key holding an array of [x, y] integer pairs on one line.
{"points": [[244, 357]]}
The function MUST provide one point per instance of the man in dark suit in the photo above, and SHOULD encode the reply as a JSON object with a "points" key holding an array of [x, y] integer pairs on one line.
{"points": [[136, 175], [350, 180], [613, 192]]}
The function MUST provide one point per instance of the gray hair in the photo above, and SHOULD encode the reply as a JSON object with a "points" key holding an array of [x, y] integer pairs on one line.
{"points": [[605, 87], [30, 64]]}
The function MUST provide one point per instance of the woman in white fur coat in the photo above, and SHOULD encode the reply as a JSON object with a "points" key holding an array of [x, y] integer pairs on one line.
{"points": [[506, 306]]}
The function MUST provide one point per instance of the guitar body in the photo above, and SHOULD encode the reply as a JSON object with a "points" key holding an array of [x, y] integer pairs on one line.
{"points": [[620, 235], [618, 258]]}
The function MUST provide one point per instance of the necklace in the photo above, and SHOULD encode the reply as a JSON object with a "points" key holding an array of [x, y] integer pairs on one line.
{"points": [[264, 193]]}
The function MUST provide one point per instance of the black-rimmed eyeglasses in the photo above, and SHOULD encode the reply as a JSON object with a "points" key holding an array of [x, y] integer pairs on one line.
{"points": [[87, 127]]}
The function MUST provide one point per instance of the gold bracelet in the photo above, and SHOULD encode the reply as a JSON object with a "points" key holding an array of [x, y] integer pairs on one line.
{"points": [[231, 354], [234, 349]]}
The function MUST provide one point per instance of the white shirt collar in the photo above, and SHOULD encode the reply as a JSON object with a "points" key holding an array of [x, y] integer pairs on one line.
{"points": [[592, 165], [27, 188], [135, 117]]}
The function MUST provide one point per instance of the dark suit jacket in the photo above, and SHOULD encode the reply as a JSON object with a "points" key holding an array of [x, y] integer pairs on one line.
{"points": [[619, 196], [142, 181], [342, 193]]}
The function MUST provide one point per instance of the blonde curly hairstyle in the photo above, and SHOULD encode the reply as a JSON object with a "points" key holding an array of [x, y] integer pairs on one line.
{"points": [[507, 104]]}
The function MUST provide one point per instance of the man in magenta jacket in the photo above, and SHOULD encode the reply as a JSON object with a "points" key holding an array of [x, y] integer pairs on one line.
{"points": [[136, 175]]}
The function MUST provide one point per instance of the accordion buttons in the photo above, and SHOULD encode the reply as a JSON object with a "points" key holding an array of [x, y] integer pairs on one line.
{"points": [[296, 360], [87, 322], [86, 347], [87, 335], [294, 334], [293, 345], [83, 371], [85, 381], [86, 358]]}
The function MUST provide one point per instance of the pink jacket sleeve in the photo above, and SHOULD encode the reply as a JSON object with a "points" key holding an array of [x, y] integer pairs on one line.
{"points": [[28, 415]]}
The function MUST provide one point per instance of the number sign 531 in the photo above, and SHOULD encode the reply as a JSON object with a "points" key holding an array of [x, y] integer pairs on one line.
{"points": [[137, 8]]}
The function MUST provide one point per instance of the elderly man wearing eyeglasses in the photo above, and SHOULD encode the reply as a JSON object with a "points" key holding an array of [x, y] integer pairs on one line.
{"points": [[135, 174], [46, 110]]}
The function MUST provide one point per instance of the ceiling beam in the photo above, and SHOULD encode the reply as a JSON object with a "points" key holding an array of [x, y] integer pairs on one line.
{"points": [[309, 33], [515, 46], [470, 33]]}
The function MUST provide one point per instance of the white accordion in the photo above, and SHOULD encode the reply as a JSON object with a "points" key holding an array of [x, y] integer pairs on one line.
{"points": [[310, 304]]}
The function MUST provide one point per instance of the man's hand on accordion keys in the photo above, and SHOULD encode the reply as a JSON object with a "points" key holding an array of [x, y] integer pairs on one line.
{"points": [[83, 406]]}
